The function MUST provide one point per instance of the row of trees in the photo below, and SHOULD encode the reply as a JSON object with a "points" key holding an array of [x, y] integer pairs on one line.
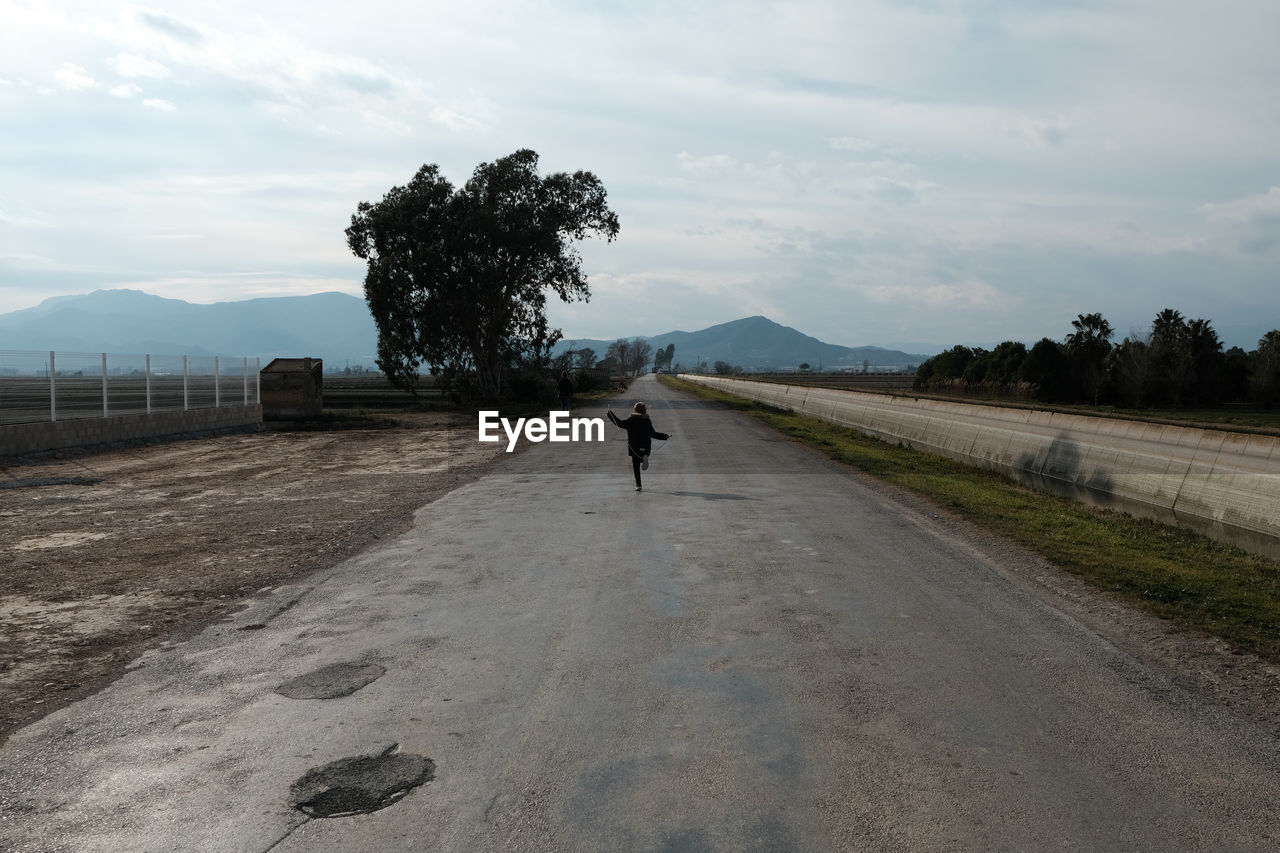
{"points": [[1178, 363], [627, 357]]}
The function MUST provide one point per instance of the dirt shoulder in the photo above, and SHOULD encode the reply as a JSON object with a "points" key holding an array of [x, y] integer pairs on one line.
{"points": [[106, 554]]}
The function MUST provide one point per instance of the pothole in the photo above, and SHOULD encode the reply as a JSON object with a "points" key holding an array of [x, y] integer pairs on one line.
{"points": [[360, 785], [332, 681]]}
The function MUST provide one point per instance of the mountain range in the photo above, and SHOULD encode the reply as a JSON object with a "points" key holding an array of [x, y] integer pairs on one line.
{"points": [[758, 343], [338, 328], [334, 326]]}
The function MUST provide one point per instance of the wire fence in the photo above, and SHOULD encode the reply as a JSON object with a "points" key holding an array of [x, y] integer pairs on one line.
{"points": [[53, 386]]}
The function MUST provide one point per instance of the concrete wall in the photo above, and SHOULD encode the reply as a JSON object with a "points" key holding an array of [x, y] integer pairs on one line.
{"points": [[18, 439], [1223, 484]]}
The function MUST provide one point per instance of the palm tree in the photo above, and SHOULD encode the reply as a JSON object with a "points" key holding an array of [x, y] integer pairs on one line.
{"points": [[1204, 350], [1264, 381], [1170, 357], [1088, 347]]}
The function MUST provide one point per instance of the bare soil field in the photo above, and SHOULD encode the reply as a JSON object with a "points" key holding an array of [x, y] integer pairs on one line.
{"points": [[105, 554]]}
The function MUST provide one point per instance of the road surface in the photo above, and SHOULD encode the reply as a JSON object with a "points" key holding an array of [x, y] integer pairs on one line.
{"points": [[757, 653]]}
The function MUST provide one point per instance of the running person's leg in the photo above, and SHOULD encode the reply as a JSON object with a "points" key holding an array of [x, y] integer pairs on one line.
{"points": [[635, 469]]}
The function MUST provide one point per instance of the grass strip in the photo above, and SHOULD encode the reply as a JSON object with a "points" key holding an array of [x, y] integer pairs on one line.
{"points": [[1178, 575]]}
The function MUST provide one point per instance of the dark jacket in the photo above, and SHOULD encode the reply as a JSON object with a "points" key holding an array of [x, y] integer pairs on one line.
{"points": [[564, 388], [639, 432]]}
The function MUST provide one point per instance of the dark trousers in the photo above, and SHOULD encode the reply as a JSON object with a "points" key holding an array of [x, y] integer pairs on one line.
{"points": [[635, 464]]}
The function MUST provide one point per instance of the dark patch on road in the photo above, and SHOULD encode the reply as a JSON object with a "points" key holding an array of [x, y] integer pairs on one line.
{"points": [[34, 482], [714, 496], [360, 785], [332, 681], [687, 841]]}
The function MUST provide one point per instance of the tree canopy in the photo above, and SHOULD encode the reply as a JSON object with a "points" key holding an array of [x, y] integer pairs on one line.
{"points": [[457, 279], [662, 358], [630, 356], [1178, 363]]}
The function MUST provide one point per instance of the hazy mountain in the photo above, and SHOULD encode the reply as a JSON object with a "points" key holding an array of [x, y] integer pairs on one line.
{"points": [[758, 343], [339, 329], [332, 326]]}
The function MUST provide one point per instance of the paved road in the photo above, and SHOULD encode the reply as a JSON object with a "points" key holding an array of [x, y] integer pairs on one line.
{"points": [[757, 653]]}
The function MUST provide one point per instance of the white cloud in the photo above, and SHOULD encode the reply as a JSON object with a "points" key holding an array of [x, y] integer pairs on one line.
{"points": [[454, 120], [1264, 208], [1038, 132], [171, 26], [74, 78], [20, 15], [904, 158], [852, 143], [706, 164], [128, 65]]}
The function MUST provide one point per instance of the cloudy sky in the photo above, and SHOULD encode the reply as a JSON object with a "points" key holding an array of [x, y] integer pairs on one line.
{"points": [[868, 172]]}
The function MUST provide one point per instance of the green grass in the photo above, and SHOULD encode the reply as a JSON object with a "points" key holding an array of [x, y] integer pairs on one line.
{"points": [[1188, 579], [1235, 418], [1227, 417]]}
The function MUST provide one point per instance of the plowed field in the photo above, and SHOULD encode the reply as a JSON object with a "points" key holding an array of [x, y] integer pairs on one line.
{"points": [[105, 554]]}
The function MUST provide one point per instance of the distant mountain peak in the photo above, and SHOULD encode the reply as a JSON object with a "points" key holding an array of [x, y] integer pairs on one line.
{"points": [[759, 343], [334, 326]]}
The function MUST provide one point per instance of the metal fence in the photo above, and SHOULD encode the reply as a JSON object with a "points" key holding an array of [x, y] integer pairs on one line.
{"points": [[55, 386]]}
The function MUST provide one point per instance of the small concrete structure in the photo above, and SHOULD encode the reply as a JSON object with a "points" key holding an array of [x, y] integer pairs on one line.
{"points": [[292, 388], [1225, 485]]}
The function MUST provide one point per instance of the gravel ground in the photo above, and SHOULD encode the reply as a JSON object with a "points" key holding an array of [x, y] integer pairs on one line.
{"points": [[105, 554]]}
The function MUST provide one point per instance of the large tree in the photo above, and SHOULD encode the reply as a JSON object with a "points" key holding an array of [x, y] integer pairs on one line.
{"points": [[662, 359], [1170, 358], [458, 278], [1047, 368], [1207, 362], [640, 352], [1087, 349], [1264, 384]]}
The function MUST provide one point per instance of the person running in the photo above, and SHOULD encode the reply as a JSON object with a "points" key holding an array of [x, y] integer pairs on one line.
{"points": [[640, 431]]}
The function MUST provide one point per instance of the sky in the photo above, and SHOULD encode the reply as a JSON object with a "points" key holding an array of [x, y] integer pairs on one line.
{"points": [[870, 173]]}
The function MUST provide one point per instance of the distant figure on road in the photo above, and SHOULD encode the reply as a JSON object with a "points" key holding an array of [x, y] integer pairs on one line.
{"points": [[640, 431], [564, 390]]}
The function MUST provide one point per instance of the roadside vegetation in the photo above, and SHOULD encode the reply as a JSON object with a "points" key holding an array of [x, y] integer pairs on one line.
{"points": [[1188, 579], [1177, 364]]}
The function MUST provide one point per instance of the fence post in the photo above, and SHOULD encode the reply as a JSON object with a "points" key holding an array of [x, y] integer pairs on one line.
{"points": [[186, 399], [104, 384], [257, 379], [148, 383], [217, 384], [244, 375], [53, 387]]}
